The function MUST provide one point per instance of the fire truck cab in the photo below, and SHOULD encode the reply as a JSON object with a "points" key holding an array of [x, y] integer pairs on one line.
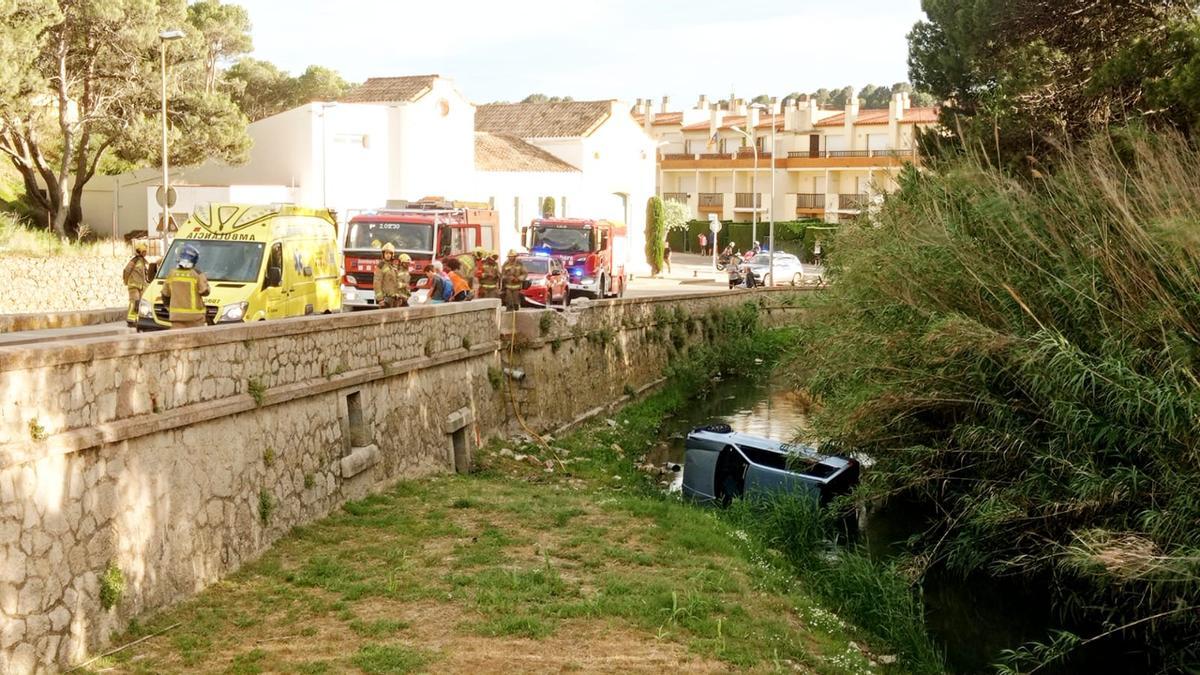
{"points": [[592, 251], [426, 230]]}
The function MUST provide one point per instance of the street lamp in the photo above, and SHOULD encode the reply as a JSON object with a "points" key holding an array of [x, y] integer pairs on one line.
{"points": [[771, 232], [163, 38], [753, 186]]}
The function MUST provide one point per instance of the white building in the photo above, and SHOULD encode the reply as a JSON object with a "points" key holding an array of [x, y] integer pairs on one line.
{"points": [[404, 138], [828, 163]]}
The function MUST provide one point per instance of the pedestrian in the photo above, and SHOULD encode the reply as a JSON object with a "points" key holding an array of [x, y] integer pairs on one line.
{"points": [[460, 288], [184, 291], [136, 277], [513, 275], [489, 276], [667, 256], [387, 279], [817, 252], [734, 271], [703, 238]]}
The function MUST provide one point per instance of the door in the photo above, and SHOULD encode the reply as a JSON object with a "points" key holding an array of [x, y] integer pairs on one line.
{"points": [[814, 145], [273, 294], [298, 283]]}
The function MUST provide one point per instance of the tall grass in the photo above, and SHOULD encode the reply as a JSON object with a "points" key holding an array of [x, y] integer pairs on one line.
{"points": [[1024, 354], [875, 595], [17, 238]]}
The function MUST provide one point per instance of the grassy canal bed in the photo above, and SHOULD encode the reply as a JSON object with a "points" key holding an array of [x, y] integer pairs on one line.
{"points": [[564, 560]]}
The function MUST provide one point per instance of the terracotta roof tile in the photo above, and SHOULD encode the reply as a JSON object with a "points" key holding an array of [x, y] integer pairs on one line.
{"points": [[391, 89], [880, 116], [563, 119], [495, 152]]}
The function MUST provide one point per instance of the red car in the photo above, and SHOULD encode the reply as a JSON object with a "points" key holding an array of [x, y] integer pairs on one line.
{"points": [[545, 282]]}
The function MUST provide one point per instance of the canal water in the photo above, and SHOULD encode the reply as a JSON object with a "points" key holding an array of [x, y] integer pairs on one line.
{"points": [[974, 620]]}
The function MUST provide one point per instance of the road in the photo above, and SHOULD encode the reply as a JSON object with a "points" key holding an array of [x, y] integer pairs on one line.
{"points": [[689, 274]]}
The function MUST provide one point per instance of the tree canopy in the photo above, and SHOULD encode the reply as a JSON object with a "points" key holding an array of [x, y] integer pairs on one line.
{"points": [[542, 98], [1020, 75], [80, 92]]}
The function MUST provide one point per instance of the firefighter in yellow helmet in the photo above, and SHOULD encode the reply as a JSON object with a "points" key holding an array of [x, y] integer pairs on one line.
{"points": [[136, 277], [404, 278], [184, 291], [487, 275], [513, 275], [387, 279]]}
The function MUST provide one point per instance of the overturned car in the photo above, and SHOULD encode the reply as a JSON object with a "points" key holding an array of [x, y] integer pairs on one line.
{"points": [[720, 464]]}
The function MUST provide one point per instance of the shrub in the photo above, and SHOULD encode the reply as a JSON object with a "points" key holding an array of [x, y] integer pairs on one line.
{"points": [[1022, 353], [656, 234], [112, 586], [548, 207]]}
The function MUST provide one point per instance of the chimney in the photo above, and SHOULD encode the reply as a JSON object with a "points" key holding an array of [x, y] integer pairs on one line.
{"points": [[702, 104], [714, 121], [739, 107], [848, 124], [773, 104], [808, 115], [638, 106], [666, 104], [907, 100], [751, 120], [897, 107]]}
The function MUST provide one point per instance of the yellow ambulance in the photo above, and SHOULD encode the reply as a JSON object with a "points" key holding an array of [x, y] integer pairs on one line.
{"points": [[262, 262]]}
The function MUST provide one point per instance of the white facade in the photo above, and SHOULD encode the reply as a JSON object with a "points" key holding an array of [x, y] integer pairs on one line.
{"points": [[359, 156]]}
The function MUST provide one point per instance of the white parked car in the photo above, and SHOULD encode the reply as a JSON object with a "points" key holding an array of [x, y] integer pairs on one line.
{"points": [[788, 269]]}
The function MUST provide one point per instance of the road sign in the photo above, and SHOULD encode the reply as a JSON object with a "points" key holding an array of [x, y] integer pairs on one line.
{"points": [[713, 224], [171, 197]]}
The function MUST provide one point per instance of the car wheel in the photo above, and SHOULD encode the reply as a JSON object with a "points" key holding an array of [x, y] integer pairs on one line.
{"points": [[798, 279]]}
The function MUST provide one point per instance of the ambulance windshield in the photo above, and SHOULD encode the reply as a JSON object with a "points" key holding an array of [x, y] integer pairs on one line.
{"points": [[562, 239], [236, 261], [412, 237]]}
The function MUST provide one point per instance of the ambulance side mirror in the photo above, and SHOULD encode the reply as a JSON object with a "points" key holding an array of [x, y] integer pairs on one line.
{"points": [[274, 277]]}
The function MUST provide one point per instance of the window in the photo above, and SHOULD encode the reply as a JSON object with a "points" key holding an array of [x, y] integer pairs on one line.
{"points": [[360, 435]]}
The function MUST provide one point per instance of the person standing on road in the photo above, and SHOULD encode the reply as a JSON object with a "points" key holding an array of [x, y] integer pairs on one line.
{"points": [[514, 280], [489, 276], [404, 279], [387, 279], [734, 271], [136, 277], [667, 257], [817, 252], [703, 238], [184, 291]]}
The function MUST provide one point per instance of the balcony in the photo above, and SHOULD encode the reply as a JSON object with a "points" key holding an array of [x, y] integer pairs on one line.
{"points": [[852, 202], [810, 201], [836, 154], [712, 201], [748, 200], [681, 197], [678, 155]]}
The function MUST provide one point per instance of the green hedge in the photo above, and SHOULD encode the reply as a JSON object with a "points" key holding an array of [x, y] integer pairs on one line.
{"points": [[789, 236]]}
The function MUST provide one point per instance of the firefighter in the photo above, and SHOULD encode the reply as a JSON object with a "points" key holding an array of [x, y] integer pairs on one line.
{"points": [[489, 275], [513, 276], [184, 291], [136, 277], [387, 280], [404, 278]]}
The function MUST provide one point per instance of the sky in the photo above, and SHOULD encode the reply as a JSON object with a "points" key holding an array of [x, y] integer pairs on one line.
{"points": [[596, 49]]}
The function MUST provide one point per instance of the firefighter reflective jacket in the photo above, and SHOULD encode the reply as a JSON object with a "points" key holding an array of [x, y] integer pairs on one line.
{"points": [[184, 291]]}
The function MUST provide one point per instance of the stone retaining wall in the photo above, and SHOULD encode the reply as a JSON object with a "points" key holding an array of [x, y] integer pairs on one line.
{"points": [[61, 283], [165, 461]]}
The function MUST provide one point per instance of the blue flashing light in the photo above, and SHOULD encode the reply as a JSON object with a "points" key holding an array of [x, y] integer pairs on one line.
{"points": [[542, 252]]}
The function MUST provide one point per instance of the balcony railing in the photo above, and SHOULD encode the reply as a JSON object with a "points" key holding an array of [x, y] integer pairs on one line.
{"points": [[749, 154], [715, 155], [809, 200], [834, 154], [748, 200], [712, 200], [852, 202], [681, 197], [678, 155]]}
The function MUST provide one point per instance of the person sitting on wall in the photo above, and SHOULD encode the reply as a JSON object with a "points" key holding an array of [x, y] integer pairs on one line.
{"points": [[438, 285]]}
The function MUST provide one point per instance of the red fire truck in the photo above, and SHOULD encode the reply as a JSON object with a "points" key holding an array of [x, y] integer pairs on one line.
{"points": [[593, 252], [432, 228]]}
